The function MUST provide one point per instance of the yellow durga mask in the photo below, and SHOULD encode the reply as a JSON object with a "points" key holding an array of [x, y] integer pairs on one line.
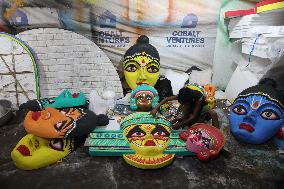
{"points": [[141, 63], [148, 137], [34, 152]]}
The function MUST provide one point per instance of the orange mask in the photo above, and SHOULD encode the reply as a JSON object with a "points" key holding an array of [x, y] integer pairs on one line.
{"points": [[52, 123]]}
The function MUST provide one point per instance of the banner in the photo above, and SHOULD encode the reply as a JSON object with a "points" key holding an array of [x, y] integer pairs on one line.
{"points": [[183, 31]]}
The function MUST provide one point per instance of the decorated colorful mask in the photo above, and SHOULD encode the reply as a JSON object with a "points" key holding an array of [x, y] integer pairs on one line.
{"points": [[69, 122], [141, 63], [203, 139], [64, 100], [34, 152], [144, 97], [148, 137], [257, 114]]}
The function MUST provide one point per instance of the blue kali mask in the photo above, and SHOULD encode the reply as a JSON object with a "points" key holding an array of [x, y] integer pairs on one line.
{"points": [[255, 118]]}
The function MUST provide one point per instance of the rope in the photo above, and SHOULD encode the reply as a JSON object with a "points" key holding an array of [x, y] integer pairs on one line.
{"points": [[252, 49]]}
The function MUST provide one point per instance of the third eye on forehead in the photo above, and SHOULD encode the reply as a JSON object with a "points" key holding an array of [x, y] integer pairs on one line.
{"points": [[261, 100]]}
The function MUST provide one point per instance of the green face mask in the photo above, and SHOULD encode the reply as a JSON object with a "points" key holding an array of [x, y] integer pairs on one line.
{"points": [[64, 100]]}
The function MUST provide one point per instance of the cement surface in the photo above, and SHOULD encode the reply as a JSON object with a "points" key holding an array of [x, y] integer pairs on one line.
{"points": [[247, 166]]}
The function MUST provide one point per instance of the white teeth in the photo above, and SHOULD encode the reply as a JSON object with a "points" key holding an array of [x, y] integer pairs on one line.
{"points": [[58, 125]]}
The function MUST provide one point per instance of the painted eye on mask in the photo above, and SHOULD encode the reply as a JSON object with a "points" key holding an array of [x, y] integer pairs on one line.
{"points": [[240, 110], [148, 97], [51, 101], [65, 110], [206, 142], [131, 68], [56, 144], [59, 125], [138, 134], [159, 133], [269, 115], [140, 97], [152, 69]]}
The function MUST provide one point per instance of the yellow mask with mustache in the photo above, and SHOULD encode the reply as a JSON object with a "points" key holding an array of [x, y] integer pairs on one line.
{"points": [[148, 137]]}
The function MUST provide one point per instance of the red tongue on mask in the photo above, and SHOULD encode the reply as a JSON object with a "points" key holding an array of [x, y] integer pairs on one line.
{"points": [[36, 115], [150, 143], [24, 150]]}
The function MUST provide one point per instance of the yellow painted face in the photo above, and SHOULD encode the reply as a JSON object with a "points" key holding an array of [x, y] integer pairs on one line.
{"points": [[34, 152], [148, 139], [141, 68]]}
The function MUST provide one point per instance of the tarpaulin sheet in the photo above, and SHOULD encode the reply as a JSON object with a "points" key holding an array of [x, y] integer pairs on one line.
{"points": [[183, 31]]}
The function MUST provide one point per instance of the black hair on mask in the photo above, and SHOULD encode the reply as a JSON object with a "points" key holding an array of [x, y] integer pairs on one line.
{"points": [[266, 87], [142, 45]]}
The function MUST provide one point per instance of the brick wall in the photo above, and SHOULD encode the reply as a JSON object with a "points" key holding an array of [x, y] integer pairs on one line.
{"points": [[17, 80], [68, 60]]}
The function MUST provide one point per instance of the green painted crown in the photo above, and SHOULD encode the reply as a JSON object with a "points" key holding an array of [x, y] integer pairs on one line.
{"points": [[143, 118]]}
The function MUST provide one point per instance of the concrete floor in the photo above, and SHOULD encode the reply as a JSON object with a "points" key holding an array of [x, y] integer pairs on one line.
{"points": [[247, 166]]}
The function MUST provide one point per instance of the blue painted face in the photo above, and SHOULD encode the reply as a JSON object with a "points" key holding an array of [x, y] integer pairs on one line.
{"points": [[255, 119]]}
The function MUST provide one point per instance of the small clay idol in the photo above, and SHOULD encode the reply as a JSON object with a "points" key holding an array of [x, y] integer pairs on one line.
{"points": [[203, 139], [144, 97], [210, 91], [148, 137], [257, 114]]}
